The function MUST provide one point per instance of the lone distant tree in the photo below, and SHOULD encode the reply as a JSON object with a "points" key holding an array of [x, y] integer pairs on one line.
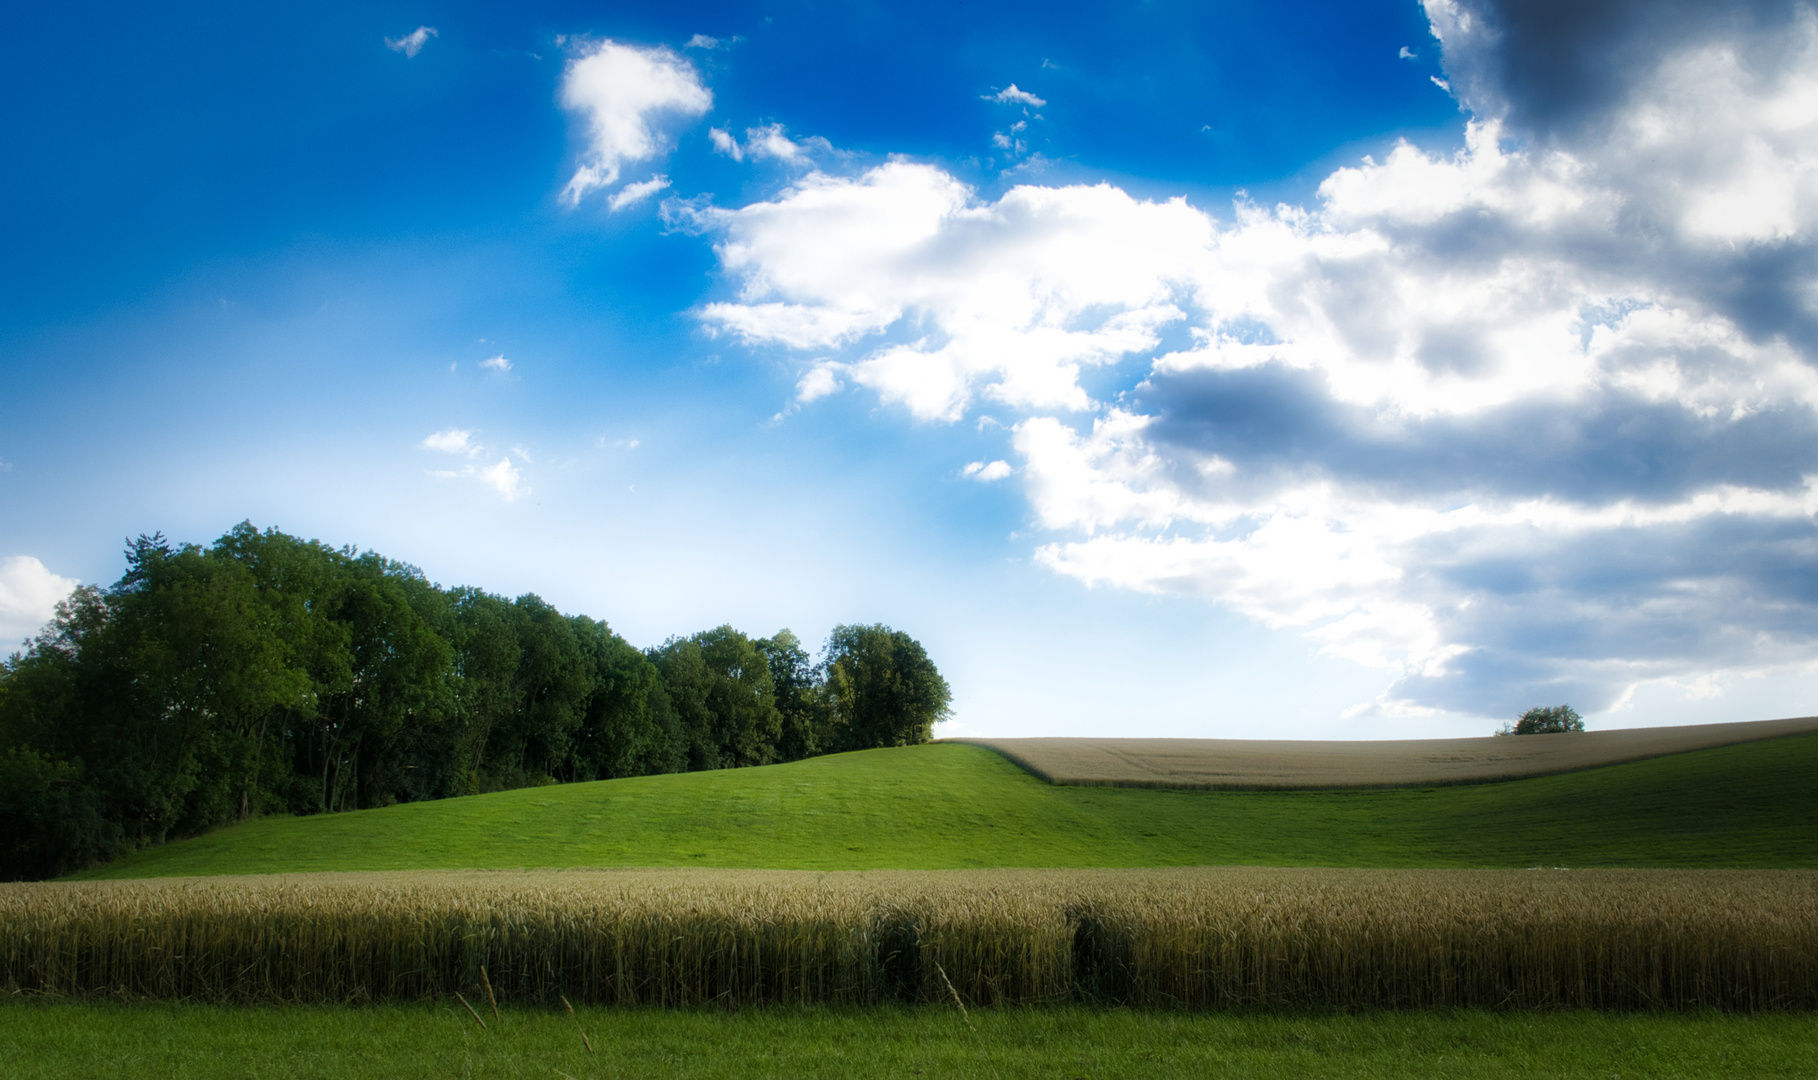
{"points": [[1545, 720]]}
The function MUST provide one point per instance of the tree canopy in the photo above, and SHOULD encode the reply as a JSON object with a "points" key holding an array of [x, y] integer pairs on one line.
{"points": [[267, 674], [1545, 720]]}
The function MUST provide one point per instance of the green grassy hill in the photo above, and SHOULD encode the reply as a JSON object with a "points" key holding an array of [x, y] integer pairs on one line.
{"points": [[952, 806]]}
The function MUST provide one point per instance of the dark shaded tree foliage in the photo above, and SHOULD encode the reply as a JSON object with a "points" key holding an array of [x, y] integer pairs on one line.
{"points": [[882, 690], [268, 674]]}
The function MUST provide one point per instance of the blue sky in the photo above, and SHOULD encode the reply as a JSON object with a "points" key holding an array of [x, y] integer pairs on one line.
{"points": [[1321, 370]]}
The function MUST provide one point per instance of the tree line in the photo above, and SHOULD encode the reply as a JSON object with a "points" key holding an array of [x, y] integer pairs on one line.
{"points": [[267, 674]]}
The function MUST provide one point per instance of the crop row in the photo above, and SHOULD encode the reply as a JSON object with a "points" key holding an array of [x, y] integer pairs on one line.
{"points": [[1197, 938]]}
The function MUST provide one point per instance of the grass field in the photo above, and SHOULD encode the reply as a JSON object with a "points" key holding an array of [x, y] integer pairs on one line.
{"points": [[197, 1042], [954, 806], [958, 806]]}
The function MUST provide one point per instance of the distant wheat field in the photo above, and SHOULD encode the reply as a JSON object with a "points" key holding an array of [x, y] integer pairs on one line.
{"points": [[1202, 937], [1282, 764]]}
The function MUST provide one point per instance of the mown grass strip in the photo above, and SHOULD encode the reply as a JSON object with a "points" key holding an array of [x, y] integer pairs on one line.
{"points": [[43, 1040], [953, 806], [1205, 938]]}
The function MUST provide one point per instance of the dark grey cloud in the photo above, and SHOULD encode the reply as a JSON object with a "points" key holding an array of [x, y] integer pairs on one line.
{"points": [[1572, 76], [1555, 69], [1541, 420], [1274, 422], [1533, 420]]}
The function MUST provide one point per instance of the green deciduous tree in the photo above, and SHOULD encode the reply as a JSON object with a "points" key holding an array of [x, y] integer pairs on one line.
{"points": [[1545, 720], [800, 701], [268, 673], [882, 689]]}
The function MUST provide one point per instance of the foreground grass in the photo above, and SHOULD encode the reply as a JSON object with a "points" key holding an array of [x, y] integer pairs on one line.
{"points": [[949, 806], [44, 1039]]}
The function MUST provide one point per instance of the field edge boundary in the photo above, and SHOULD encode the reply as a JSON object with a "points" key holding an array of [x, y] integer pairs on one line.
{"points": [[1158, 784]]}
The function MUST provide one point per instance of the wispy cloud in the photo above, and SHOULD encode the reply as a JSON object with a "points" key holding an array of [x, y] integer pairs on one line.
{"points": [[412, 43], [725, 143], [623, 92], [986, 473], [769, 141], [497, 363], [452, 441], [1012, 140], [503, 478], [702, 41], [631, 194], [1010, 95]]}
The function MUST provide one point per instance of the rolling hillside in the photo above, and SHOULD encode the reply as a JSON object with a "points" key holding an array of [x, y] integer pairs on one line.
{"points": [[953, 806], [1300, 765]]}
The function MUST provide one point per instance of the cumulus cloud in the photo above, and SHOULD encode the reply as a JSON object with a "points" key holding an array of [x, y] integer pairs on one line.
{"points": [[412, 43], [631, 194], [29, 594], [1007, 299], [622, 92], [702, 41], [1535, 420]]}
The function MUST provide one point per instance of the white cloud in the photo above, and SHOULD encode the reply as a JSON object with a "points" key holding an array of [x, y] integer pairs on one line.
{"points": [[29, 594], [1009, 299], [820, 381], [765, 142], [497, 363], [1407, 54], [622, 92], [770, 142], [452, 441], [986, 473], [503, 478], [636, 193], [702, 41], [1010, 95], [412, 43], [1535, 419], [724, 143]]}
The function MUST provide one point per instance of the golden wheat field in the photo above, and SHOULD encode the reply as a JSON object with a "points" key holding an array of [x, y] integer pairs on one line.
{"points": [[1284, 764], [1199, 938]]}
